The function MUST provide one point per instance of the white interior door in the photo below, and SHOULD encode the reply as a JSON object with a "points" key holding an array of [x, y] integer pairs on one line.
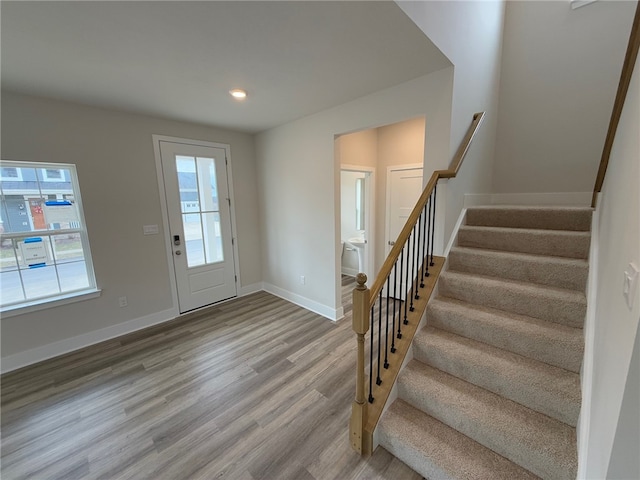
{"points": [[198, 207], [404, 187]]}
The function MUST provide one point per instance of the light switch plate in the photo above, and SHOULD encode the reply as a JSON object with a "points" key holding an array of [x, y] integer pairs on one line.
{"points": [[150, 229], [630, 283]]}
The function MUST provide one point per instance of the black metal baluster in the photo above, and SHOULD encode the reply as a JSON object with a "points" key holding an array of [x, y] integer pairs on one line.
{"points": [[408, 297], [386, 330], [402, 290], [395, 299], [410, 256], [426, 260], [378, 379], [435, 193], [371, 361], [424, 243], [417, 261]]}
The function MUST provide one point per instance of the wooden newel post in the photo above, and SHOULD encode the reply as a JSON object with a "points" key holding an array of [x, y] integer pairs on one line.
{"points": [[361, 298]]}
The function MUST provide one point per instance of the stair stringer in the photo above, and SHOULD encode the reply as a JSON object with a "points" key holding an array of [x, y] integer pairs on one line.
{"points": [[586, 372]]}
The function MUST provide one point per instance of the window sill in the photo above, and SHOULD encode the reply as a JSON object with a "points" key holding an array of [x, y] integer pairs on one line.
{"points": [[45, 303]]}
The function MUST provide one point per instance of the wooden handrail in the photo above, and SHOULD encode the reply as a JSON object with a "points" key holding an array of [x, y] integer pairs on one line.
{"points": [[623, 87], [364, 414], [388, 264]]}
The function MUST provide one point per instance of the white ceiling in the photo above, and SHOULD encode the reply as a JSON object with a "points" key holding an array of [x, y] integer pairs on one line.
{"points": [[180, 59]]}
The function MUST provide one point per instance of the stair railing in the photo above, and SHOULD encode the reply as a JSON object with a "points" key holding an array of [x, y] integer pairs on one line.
{"points": [[623, 87], [394, 304]]}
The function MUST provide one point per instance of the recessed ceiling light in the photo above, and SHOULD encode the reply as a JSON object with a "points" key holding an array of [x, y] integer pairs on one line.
{"points": [[238, 93]]}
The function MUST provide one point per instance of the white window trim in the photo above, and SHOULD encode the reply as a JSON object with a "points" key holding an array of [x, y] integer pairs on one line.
{"points": [[62, 298], [50, 302]]}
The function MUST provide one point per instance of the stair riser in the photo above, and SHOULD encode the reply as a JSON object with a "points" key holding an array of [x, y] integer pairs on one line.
{"points": [[465, 419], [525, 391], [548, 219], [538, 242], [562, 275], [517, 299], [564, 351]]}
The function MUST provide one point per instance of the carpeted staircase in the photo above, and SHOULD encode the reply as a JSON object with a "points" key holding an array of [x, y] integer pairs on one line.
{"points": [[493, 391]]}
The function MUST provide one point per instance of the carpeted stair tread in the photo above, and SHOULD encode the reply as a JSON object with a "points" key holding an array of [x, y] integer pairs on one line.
{"points": [[559, 243], [538, 443], [547, 342], [437, 451], [553, 304], [550, 390], [549, 218], [569, 273]]}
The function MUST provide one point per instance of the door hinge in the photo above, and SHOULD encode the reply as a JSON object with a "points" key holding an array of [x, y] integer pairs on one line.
{"points": [[229, 200], [236, 276], [226, 162], [233, 241]]}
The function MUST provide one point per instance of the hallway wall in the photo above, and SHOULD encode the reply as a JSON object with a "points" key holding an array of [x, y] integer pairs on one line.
{"points": [[560, 71]]}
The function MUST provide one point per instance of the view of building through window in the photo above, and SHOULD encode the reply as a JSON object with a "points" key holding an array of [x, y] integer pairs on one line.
{"points": [[44, 251]]}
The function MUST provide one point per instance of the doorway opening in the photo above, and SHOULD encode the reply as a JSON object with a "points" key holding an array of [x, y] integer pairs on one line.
{"points": [[372, 154]]}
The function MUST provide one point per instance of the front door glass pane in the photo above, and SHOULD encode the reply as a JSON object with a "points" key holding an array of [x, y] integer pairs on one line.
{"points": [[200, 207], [193, 244], [211, 227]]}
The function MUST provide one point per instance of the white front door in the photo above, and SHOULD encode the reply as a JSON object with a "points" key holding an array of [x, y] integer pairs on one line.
{"points": [[199, 213]]}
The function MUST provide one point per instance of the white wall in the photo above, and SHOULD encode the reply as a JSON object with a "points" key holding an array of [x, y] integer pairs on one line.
{"points": [[560, 71], [114, 155], [616, 325], [299, 180], [624, 462], [299, 183], [469, 33], [398, 144], [358, 148]]}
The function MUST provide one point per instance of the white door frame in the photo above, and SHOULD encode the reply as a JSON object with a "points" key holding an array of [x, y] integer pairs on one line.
{"points": [[370, 217], [165, 211]]}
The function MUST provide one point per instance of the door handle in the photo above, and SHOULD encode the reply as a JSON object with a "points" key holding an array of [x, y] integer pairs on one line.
{"points": [[391, 242], [178, 252], [176, 240]]}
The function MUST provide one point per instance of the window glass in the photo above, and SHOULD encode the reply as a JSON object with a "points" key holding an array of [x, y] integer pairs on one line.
{"points": [[44, 249]]}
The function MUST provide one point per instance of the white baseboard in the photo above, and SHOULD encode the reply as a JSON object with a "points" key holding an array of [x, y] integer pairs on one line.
{"points": [[352, 272], [578, 199], [477, 199], [251, 288], [55, 349], [304, 302]]}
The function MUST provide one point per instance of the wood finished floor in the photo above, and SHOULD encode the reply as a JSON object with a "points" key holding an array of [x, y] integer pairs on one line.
{"points": [[257, 388]]}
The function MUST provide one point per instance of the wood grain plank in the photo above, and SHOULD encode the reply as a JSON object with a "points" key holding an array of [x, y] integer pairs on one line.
{"points": [[255, 388]]}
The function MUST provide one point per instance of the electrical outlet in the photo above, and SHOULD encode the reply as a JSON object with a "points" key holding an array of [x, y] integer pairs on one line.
{"points": [[123, 301], [302, 279]]}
